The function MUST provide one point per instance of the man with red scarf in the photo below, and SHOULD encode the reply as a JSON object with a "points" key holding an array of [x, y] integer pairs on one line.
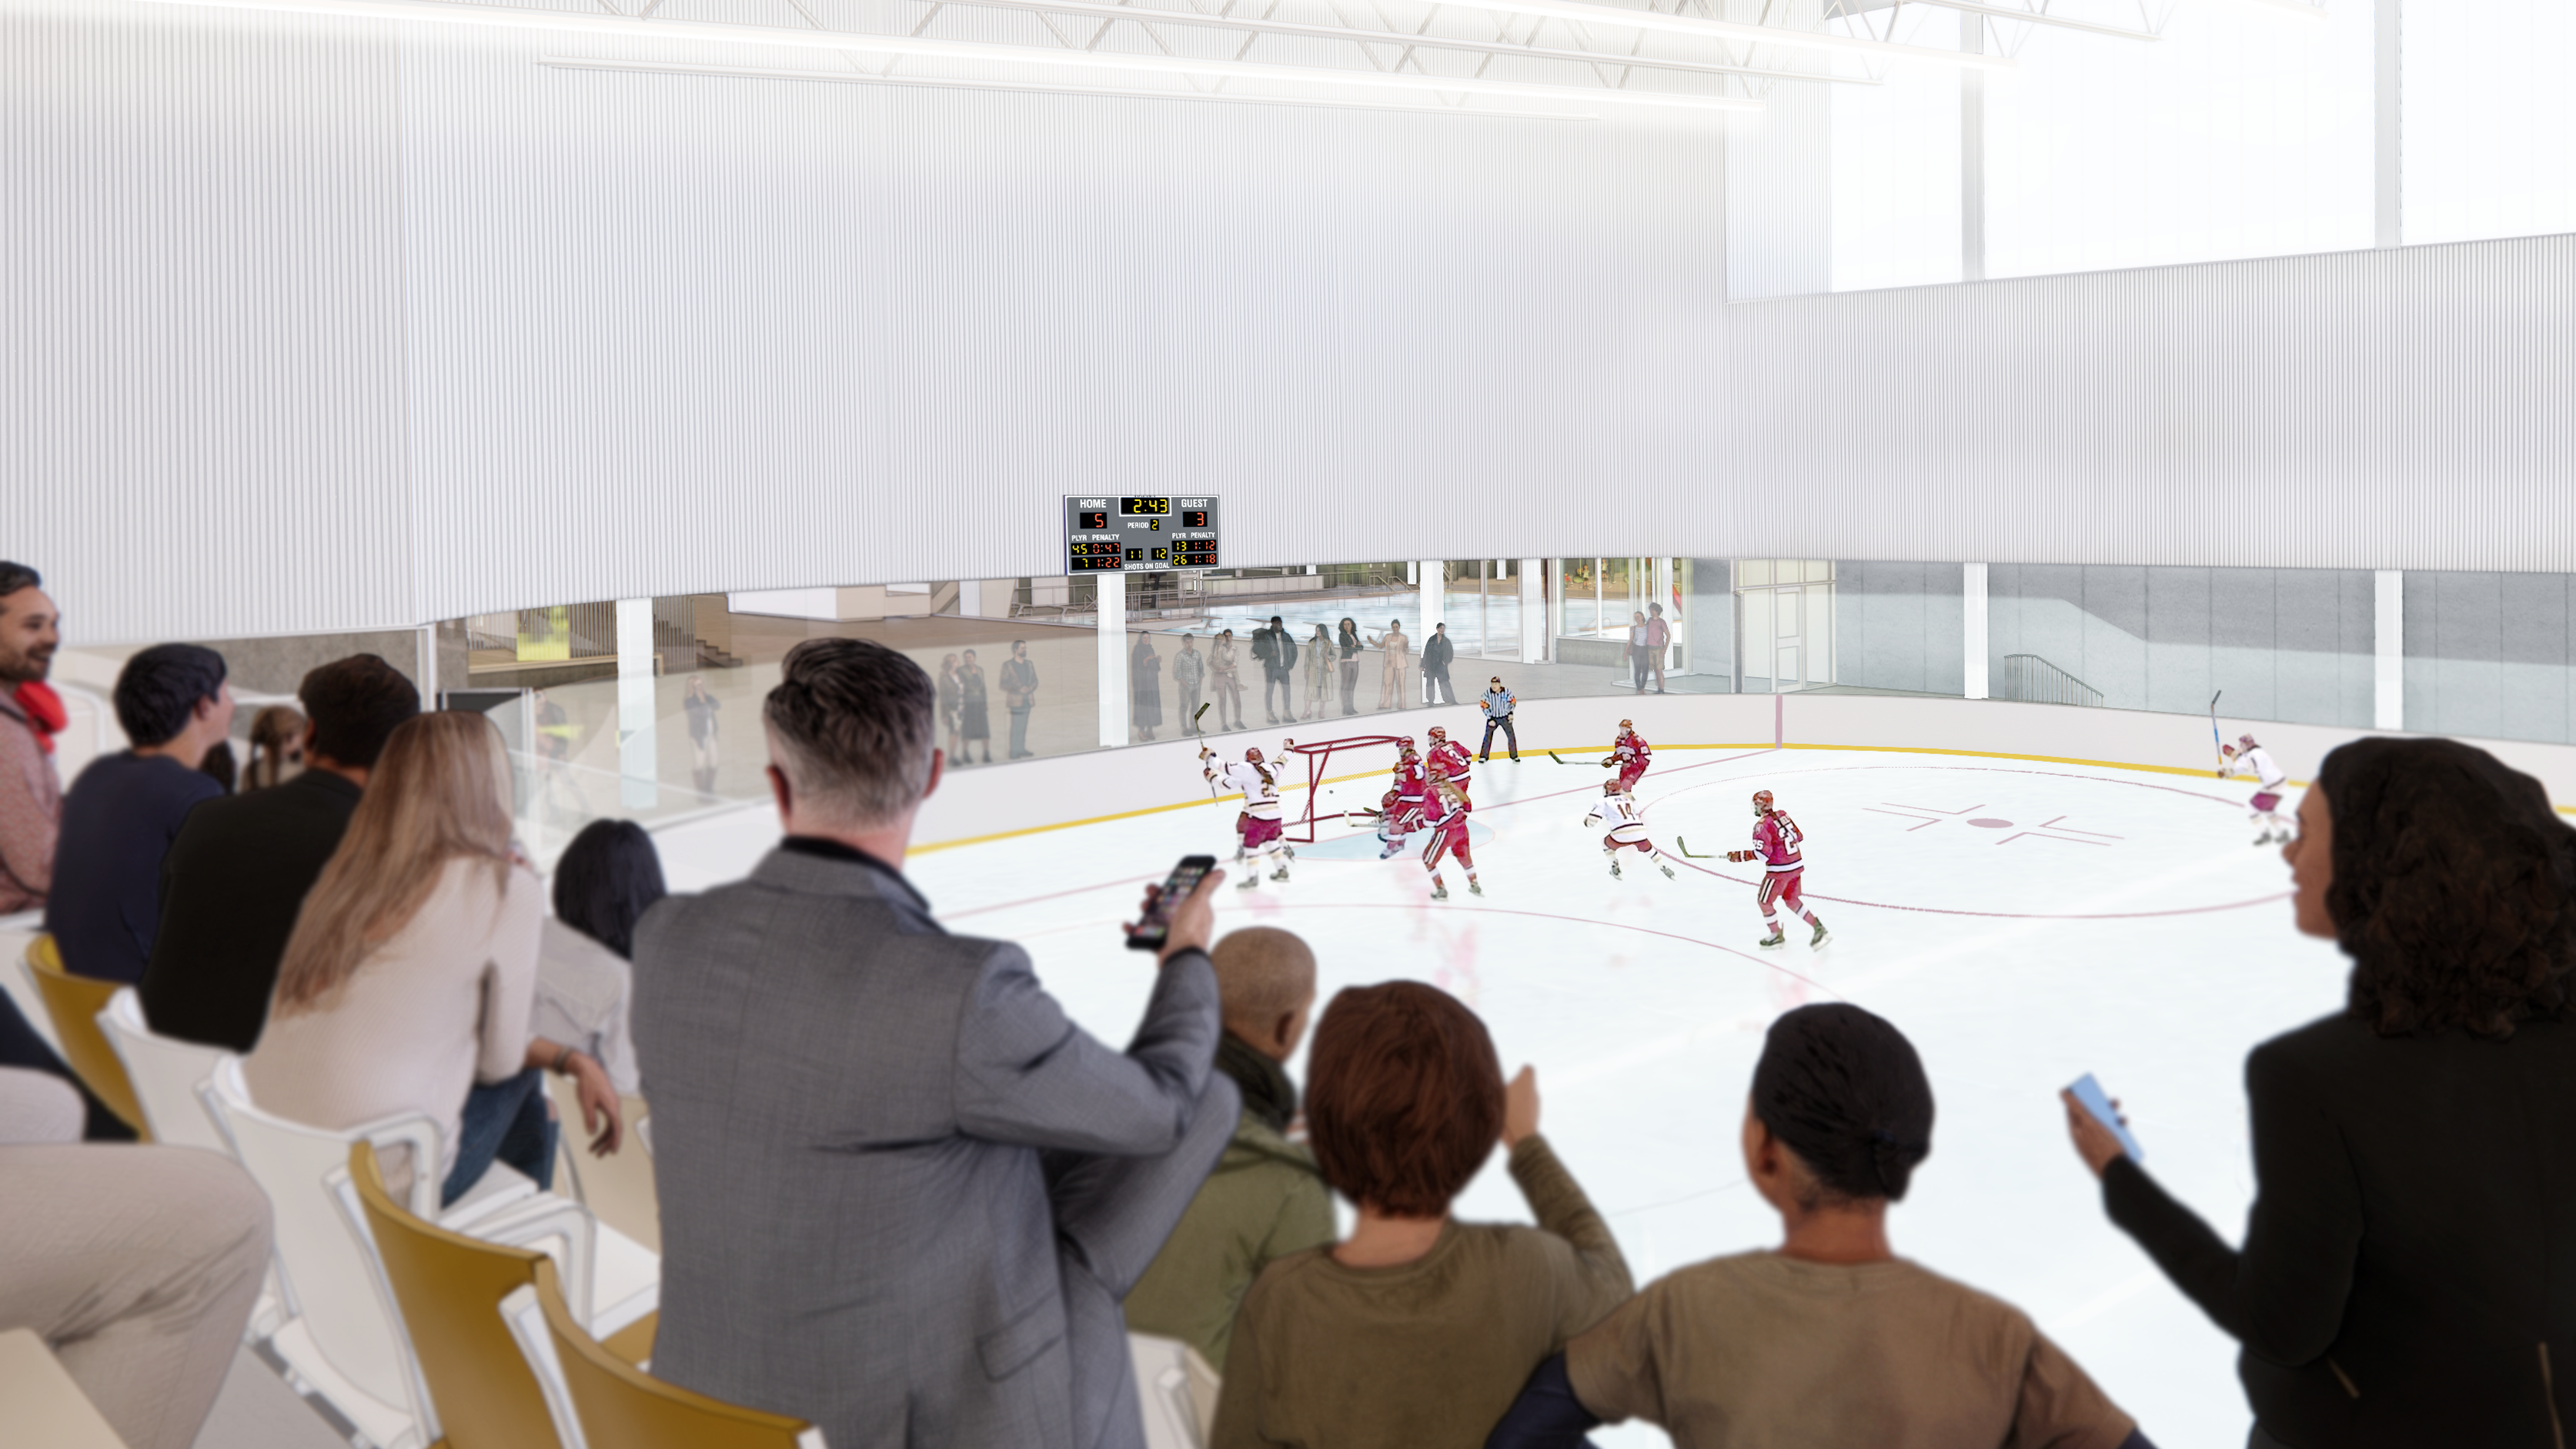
{"points": [[31, 714]]}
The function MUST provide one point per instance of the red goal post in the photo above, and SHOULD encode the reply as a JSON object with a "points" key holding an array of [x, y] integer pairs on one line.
{"points": [[1319, 756]]}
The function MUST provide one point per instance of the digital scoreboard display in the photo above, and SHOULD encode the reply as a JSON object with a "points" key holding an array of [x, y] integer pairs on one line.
{"points": [[1140, 534]]}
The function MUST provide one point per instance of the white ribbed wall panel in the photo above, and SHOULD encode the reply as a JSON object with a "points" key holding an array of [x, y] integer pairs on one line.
{"points": [[201, 420], [2376, 409]]}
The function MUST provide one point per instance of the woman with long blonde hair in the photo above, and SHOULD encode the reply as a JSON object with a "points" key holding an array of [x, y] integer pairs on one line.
{"points": [[408, 982]]}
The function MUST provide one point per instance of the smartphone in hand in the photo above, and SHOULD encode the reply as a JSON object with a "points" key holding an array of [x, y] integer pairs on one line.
{"points": [[2097, 1105], [1150, 933]]}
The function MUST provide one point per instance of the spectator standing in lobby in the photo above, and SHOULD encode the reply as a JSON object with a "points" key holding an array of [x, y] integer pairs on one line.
{"points": [[1016, 1174], [239, 871], [974, 710], [31, 714], [1637, 651], [1395, 675], [1189, 675], [276, 746], [1020, 695], [699, 708], [1319, 673], [1266, 1199], [1228, 689], [122, 813], [1659, 638], [1349, 642], [2399, 1281], [1144, 688], [1278, 655], [1498, 704], [951, 699], [1437, 652]]}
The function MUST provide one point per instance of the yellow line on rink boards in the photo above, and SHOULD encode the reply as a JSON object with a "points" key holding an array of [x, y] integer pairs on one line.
{"points": [[1596, 750]]}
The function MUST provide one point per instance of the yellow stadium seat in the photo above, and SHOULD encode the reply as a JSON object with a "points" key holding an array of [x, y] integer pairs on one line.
{"points": [[615, 1405], [450, 1288], [74, 1003]]}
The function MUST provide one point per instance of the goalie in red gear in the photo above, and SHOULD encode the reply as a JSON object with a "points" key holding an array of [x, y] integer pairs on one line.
{"points": [[1404, 816], [1629, 755], [1448, 836], [1776, 839]]}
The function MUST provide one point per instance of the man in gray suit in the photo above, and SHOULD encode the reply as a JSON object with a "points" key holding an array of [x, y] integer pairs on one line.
{"points": [[902, 1196]]}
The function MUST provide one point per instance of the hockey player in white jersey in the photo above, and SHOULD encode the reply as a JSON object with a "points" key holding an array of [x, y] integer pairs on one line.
{"points": [[2248, 758], [1257, 828], [1627, 824]]}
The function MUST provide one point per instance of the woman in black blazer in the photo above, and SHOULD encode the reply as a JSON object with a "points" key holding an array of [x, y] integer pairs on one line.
{"points": [[2408, 1273]]}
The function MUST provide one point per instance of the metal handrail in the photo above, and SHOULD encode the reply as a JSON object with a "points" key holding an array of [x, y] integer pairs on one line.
{"points": [[2033, 680]]}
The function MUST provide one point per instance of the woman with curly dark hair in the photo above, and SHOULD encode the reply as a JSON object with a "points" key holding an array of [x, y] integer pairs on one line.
{"points": [[2408, 1274]]}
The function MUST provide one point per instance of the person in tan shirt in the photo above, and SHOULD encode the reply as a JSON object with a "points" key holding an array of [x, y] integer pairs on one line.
{"points": [[1417, 1331], [409, 980], [1830, 1339]]}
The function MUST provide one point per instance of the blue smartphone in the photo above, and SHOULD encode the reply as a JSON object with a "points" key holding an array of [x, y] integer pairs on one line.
{"points": [[2097, 1103]]}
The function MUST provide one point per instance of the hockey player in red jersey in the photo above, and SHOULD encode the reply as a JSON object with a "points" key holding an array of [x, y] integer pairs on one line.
{"points": [[1404, 816], [1448, 758], [1629, 755], [1618, 810], [1448, 836], [1776, 839]]}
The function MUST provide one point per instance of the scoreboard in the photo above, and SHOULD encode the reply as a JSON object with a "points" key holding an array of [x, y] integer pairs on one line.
{"points": [[1139, 534]]}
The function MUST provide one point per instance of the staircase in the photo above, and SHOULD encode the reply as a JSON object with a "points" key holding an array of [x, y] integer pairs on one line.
{"points": [[2033, 680]]}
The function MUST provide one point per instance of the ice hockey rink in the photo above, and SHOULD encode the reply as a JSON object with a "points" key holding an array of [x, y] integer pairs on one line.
{"points": [[2024, 919]]}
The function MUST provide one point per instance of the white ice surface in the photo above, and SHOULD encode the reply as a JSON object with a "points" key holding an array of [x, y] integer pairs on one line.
{"points": [[2022, 922]]}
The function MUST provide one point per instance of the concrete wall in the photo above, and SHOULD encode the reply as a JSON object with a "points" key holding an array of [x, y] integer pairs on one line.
{"points": [[1899, 626], [2492, 654]]}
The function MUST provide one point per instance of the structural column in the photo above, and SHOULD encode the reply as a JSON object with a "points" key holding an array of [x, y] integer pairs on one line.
{"points": [[1433, 583], [2388, 650], [1972, 152], [2388, 195], [1535, 614], [1113, 657], [638, 765], [1972, 614], [1664, 595]]}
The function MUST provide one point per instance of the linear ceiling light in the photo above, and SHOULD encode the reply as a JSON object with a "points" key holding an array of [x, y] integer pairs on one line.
{"points": [[857, 78], [1143, 15], [621, 27]]}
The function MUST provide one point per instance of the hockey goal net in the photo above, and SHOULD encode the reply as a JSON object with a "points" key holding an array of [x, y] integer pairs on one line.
{"points": [[1343, 778]]}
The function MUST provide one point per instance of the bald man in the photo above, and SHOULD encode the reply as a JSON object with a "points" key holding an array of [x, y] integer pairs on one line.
{"points": [[1265, 1199]]}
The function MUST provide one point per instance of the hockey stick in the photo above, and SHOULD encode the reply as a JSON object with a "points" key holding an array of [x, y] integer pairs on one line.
{"points": [[2214, 745], [1202, 714], [1554, 756]]}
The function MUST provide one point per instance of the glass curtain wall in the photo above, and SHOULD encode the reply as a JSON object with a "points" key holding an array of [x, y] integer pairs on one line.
{"points": [[2491, 655], [1784, 637]]}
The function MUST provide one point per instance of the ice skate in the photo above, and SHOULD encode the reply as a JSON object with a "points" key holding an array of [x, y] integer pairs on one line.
{"points": [[1667, 870], [1614, 871], [1776, 938], [1821, 937], [1393, 849], [1250, 879], [1289, 851], [1440, 893], [1475, 886], [1280, 874]]}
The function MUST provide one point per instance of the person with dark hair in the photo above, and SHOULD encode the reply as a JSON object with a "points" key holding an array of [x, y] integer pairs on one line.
{"points": [[31, 714], [1189, 676], [1144, 688], [1347, 641], [699, 707], [1437, 652], [237, 875], [220, 766], [1830, 1338], [902, 1194], [1019, 683], [974, 714], [276, 747], [2413, 1190], [604, 883], [122, 813], [1417, 1331]]}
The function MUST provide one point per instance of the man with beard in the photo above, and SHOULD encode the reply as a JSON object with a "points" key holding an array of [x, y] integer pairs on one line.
{"points": [[31, 792]]}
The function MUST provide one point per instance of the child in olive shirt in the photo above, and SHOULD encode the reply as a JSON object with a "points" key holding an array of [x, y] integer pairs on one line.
{"points": [[1830, 1339]]}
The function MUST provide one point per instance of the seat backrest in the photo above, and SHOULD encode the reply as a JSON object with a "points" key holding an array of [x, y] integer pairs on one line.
{"points": [[328, 1272], [619, 1406], [1162, 1371], [165, 1074], [74, 1003], [450, 1288]]}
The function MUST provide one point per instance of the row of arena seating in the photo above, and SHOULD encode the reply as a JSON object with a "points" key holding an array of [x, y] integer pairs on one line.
{"points": [[513, 1318]]}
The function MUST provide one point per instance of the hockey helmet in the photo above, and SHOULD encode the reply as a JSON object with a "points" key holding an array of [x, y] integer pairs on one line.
{"points": [[1761, 802], [1404, 742], [1406, 752], [1439, 732], [1252, 755], [1627, 727], [2245, 741], [1611, 787]]}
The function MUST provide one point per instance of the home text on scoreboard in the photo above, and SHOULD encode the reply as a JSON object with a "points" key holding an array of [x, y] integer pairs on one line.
{"points": [[1139, 534]]}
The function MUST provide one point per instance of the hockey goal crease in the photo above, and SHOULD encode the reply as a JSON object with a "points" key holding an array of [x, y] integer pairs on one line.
{"points": [[1364, 761]]}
